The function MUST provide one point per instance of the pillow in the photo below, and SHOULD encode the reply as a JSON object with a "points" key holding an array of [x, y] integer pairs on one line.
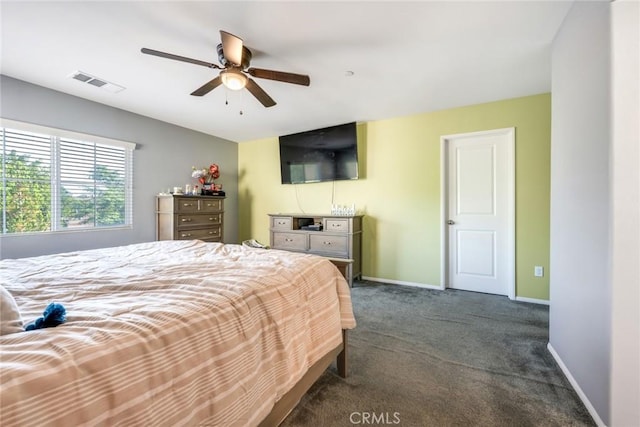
{"points": [[10, 319]]}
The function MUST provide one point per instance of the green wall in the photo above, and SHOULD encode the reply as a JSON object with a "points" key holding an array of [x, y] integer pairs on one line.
{"points": [[399, 190]]}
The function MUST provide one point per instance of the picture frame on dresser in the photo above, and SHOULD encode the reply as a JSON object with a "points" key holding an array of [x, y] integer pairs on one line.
{"points": [[336, 237], [187, 217]]}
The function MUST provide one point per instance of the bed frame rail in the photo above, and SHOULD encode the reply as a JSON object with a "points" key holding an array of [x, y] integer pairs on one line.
{"points": [[285, 405]]}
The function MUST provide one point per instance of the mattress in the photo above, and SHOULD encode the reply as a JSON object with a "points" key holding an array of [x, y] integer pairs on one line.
{"points": [[167, 333]]}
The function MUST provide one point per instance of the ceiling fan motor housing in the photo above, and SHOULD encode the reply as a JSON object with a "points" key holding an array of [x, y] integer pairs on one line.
{"points": [[246, 57]]}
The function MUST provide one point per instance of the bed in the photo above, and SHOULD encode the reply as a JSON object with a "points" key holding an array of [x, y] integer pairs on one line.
{"points": [[170, 333]]}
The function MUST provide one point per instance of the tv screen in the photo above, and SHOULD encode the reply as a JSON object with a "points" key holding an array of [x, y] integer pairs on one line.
{"points": [[328, 154]]}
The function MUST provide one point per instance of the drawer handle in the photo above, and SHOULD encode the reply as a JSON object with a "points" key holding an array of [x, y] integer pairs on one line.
{"points": [[288, 240], [212, 219], [186, 235], [327, 243], [336, 225], [209, 205], [186, 219], [281, 223], [213, 232], [187, 205]]}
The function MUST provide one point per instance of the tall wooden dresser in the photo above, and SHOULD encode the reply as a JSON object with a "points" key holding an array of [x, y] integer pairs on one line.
{"points": [[181, 217]]}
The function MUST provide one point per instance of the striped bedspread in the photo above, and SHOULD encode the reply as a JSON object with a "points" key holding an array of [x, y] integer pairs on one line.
{"points": [[166, 334]]}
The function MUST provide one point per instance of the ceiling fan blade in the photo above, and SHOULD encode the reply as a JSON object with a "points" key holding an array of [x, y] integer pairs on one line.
{"points": [[281, 76], [232, 48], [207, 87], [259, 93], [178, 58]]}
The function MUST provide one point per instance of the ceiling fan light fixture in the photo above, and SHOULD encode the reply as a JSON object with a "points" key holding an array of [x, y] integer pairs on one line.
{"points": [[233, 79]]}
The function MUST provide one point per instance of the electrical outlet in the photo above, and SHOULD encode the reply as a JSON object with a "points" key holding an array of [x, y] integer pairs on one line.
{"points": [[538, 271]]}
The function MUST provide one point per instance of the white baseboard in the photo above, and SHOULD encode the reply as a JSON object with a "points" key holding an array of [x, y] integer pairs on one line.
{"points": [[403, 283], [533, 300], [440, 288], [576, 387]]}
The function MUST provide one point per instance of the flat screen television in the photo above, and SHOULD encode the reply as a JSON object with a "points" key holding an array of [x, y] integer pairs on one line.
{"points": [[328, 154]]}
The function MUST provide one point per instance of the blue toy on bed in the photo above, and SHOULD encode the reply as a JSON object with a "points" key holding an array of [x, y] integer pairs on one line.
{"points": [[53, 315]]}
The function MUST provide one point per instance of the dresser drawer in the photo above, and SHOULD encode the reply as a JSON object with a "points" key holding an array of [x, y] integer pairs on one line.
{"points": [[210, 205], [336, 245], [281, 223], [184, 220], [186, 204], [211, 234], [290, 241], [336, 225]]}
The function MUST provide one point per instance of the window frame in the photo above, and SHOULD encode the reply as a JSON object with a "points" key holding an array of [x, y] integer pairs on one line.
{"points": [[55, 136]]}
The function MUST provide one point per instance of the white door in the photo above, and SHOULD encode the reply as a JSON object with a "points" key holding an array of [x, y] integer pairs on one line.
{"points": [[479, 211]]}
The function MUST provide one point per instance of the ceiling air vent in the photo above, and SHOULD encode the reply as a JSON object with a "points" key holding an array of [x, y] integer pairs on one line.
{"points": [[95, 81], [81, 77]]}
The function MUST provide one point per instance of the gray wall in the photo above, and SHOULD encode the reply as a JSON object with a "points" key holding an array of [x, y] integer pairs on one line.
{"points": [[163, 159], [580, 297]]}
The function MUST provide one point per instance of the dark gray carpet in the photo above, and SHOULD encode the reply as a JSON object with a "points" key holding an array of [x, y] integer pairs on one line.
{"points": [[443, 358]]}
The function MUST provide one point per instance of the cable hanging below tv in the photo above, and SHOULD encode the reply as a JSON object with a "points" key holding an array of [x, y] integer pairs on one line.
{"points": [[327, 154]]}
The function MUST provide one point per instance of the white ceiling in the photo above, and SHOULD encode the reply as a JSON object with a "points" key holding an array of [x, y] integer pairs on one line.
{"points": [[407, 57]]}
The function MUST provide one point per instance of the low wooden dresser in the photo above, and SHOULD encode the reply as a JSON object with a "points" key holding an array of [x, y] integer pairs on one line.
{"points": [[182, 217], [338, 238]]}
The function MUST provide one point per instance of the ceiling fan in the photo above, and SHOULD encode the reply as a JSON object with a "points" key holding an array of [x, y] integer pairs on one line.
{"points": [[235, 59]]}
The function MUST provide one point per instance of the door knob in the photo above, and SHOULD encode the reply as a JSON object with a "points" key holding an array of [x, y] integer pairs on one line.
{"points": [[450, 222]]}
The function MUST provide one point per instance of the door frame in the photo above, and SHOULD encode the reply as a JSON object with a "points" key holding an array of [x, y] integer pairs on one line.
{"points": [[511, 205]]}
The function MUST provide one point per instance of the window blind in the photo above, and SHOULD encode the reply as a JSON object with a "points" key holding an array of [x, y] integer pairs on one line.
{"points": [[55, 183]]}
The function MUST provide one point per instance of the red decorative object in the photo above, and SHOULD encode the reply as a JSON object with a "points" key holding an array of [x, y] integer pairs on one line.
{"points": [[214, 173]]}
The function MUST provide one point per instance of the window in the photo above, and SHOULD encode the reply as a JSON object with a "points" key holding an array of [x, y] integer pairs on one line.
{"points": [[55, 180]]}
